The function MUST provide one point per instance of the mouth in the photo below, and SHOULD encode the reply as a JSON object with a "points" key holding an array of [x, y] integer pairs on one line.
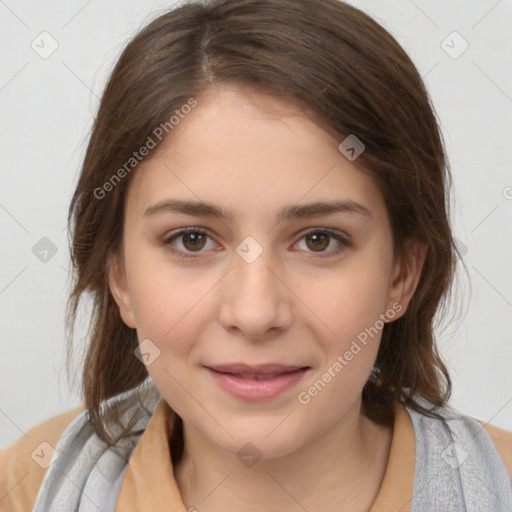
{"points": [[262, 371], [256, 382]]}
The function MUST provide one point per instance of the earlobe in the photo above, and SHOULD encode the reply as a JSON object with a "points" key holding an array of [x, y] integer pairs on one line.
{"points": [[119, 289], [406, 276]]}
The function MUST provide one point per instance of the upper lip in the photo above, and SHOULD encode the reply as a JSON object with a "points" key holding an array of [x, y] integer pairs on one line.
{"points": [[260, 369]]}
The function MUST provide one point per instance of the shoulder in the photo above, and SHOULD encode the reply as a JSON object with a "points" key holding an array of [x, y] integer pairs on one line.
{"points": [[459, 461], [23, 464], [454, 435], [502, 440]]}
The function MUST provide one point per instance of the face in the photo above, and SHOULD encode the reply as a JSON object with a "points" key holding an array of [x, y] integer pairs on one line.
{"points": [[307, 290]]}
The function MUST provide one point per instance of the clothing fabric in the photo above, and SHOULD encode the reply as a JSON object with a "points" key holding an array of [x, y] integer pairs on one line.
{"points": [[448, 465]]}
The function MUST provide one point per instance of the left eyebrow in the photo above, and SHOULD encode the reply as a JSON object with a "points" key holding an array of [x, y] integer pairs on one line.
{"points": [[294, 211]]}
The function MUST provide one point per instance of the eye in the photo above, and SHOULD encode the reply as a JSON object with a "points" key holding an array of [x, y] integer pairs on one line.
{"points": [[319, 240], [193, 240]]}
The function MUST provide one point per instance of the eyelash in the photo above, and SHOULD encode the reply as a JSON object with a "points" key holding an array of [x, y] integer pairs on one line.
{"points": [[344, 243]]}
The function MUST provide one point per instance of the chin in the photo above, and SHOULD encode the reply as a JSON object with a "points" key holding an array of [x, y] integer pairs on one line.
{"points": [[261, 440], [257, 449]]}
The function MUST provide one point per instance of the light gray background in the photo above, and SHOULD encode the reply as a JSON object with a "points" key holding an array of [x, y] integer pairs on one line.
{"points": [[47, 106]]}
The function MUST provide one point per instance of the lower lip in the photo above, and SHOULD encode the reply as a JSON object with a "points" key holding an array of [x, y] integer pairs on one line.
{"points": [[252, 389]]}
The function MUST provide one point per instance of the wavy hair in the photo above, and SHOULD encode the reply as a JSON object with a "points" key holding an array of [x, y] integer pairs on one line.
{"points": [[336, 63]]}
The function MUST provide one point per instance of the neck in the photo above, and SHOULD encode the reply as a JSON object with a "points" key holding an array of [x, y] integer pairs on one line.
{"points": [[341, 470]]}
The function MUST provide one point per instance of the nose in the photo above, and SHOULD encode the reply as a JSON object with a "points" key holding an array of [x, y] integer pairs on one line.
{"points": [[257, 303]]}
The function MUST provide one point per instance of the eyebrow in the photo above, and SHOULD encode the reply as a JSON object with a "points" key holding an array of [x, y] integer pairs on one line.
{"points": [[294, 211]]}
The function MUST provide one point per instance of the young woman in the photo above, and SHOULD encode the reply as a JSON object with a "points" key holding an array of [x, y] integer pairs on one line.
{"points": [[261, 221]]}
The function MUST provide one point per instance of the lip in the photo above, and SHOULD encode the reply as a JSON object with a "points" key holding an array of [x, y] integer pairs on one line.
{"points": [[240, 380], [259, 369]]}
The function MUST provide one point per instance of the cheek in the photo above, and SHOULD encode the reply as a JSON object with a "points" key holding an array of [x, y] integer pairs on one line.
{"points": [[350, 305], [350, 308], [163, 296], [169, 309], [351, 301], [157, 310]]}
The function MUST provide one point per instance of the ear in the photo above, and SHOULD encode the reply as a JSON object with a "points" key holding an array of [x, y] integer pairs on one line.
{"points": [[406, 275], [119, 289]]}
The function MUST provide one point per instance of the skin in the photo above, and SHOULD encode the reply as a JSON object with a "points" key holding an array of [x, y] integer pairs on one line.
{"points": [[253, 154]]}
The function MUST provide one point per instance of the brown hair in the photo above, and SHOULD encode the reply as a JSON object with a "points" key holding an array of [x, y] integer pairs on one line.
{"points": [[333, 61]]}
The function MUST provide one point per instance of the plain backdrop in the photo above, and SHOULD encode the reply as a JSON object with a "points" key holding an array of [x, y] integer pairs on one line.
{"points": [[47, 102]]}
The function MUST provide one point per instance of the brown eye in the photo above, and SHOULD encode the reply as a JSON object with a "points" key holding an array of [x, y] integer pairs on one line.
{"points": [[193, 241], [319, 241], [186, 242]]}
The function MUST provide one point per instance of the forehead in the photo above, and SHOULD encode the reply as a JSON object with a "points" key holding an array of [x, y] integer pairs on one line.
{"points": [[250, 152], [240, 118]]}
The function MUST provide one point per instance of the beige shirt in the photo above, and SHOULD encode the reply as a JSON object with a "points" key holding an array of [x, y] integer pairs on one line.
{"points": [[149, 483]]}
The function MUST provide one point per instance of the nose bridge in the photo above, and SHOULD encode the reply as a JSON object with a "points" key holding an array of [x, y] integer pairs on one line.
{"points": [[253, 280], [255, 299], [254, 274], [252, 261]]}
